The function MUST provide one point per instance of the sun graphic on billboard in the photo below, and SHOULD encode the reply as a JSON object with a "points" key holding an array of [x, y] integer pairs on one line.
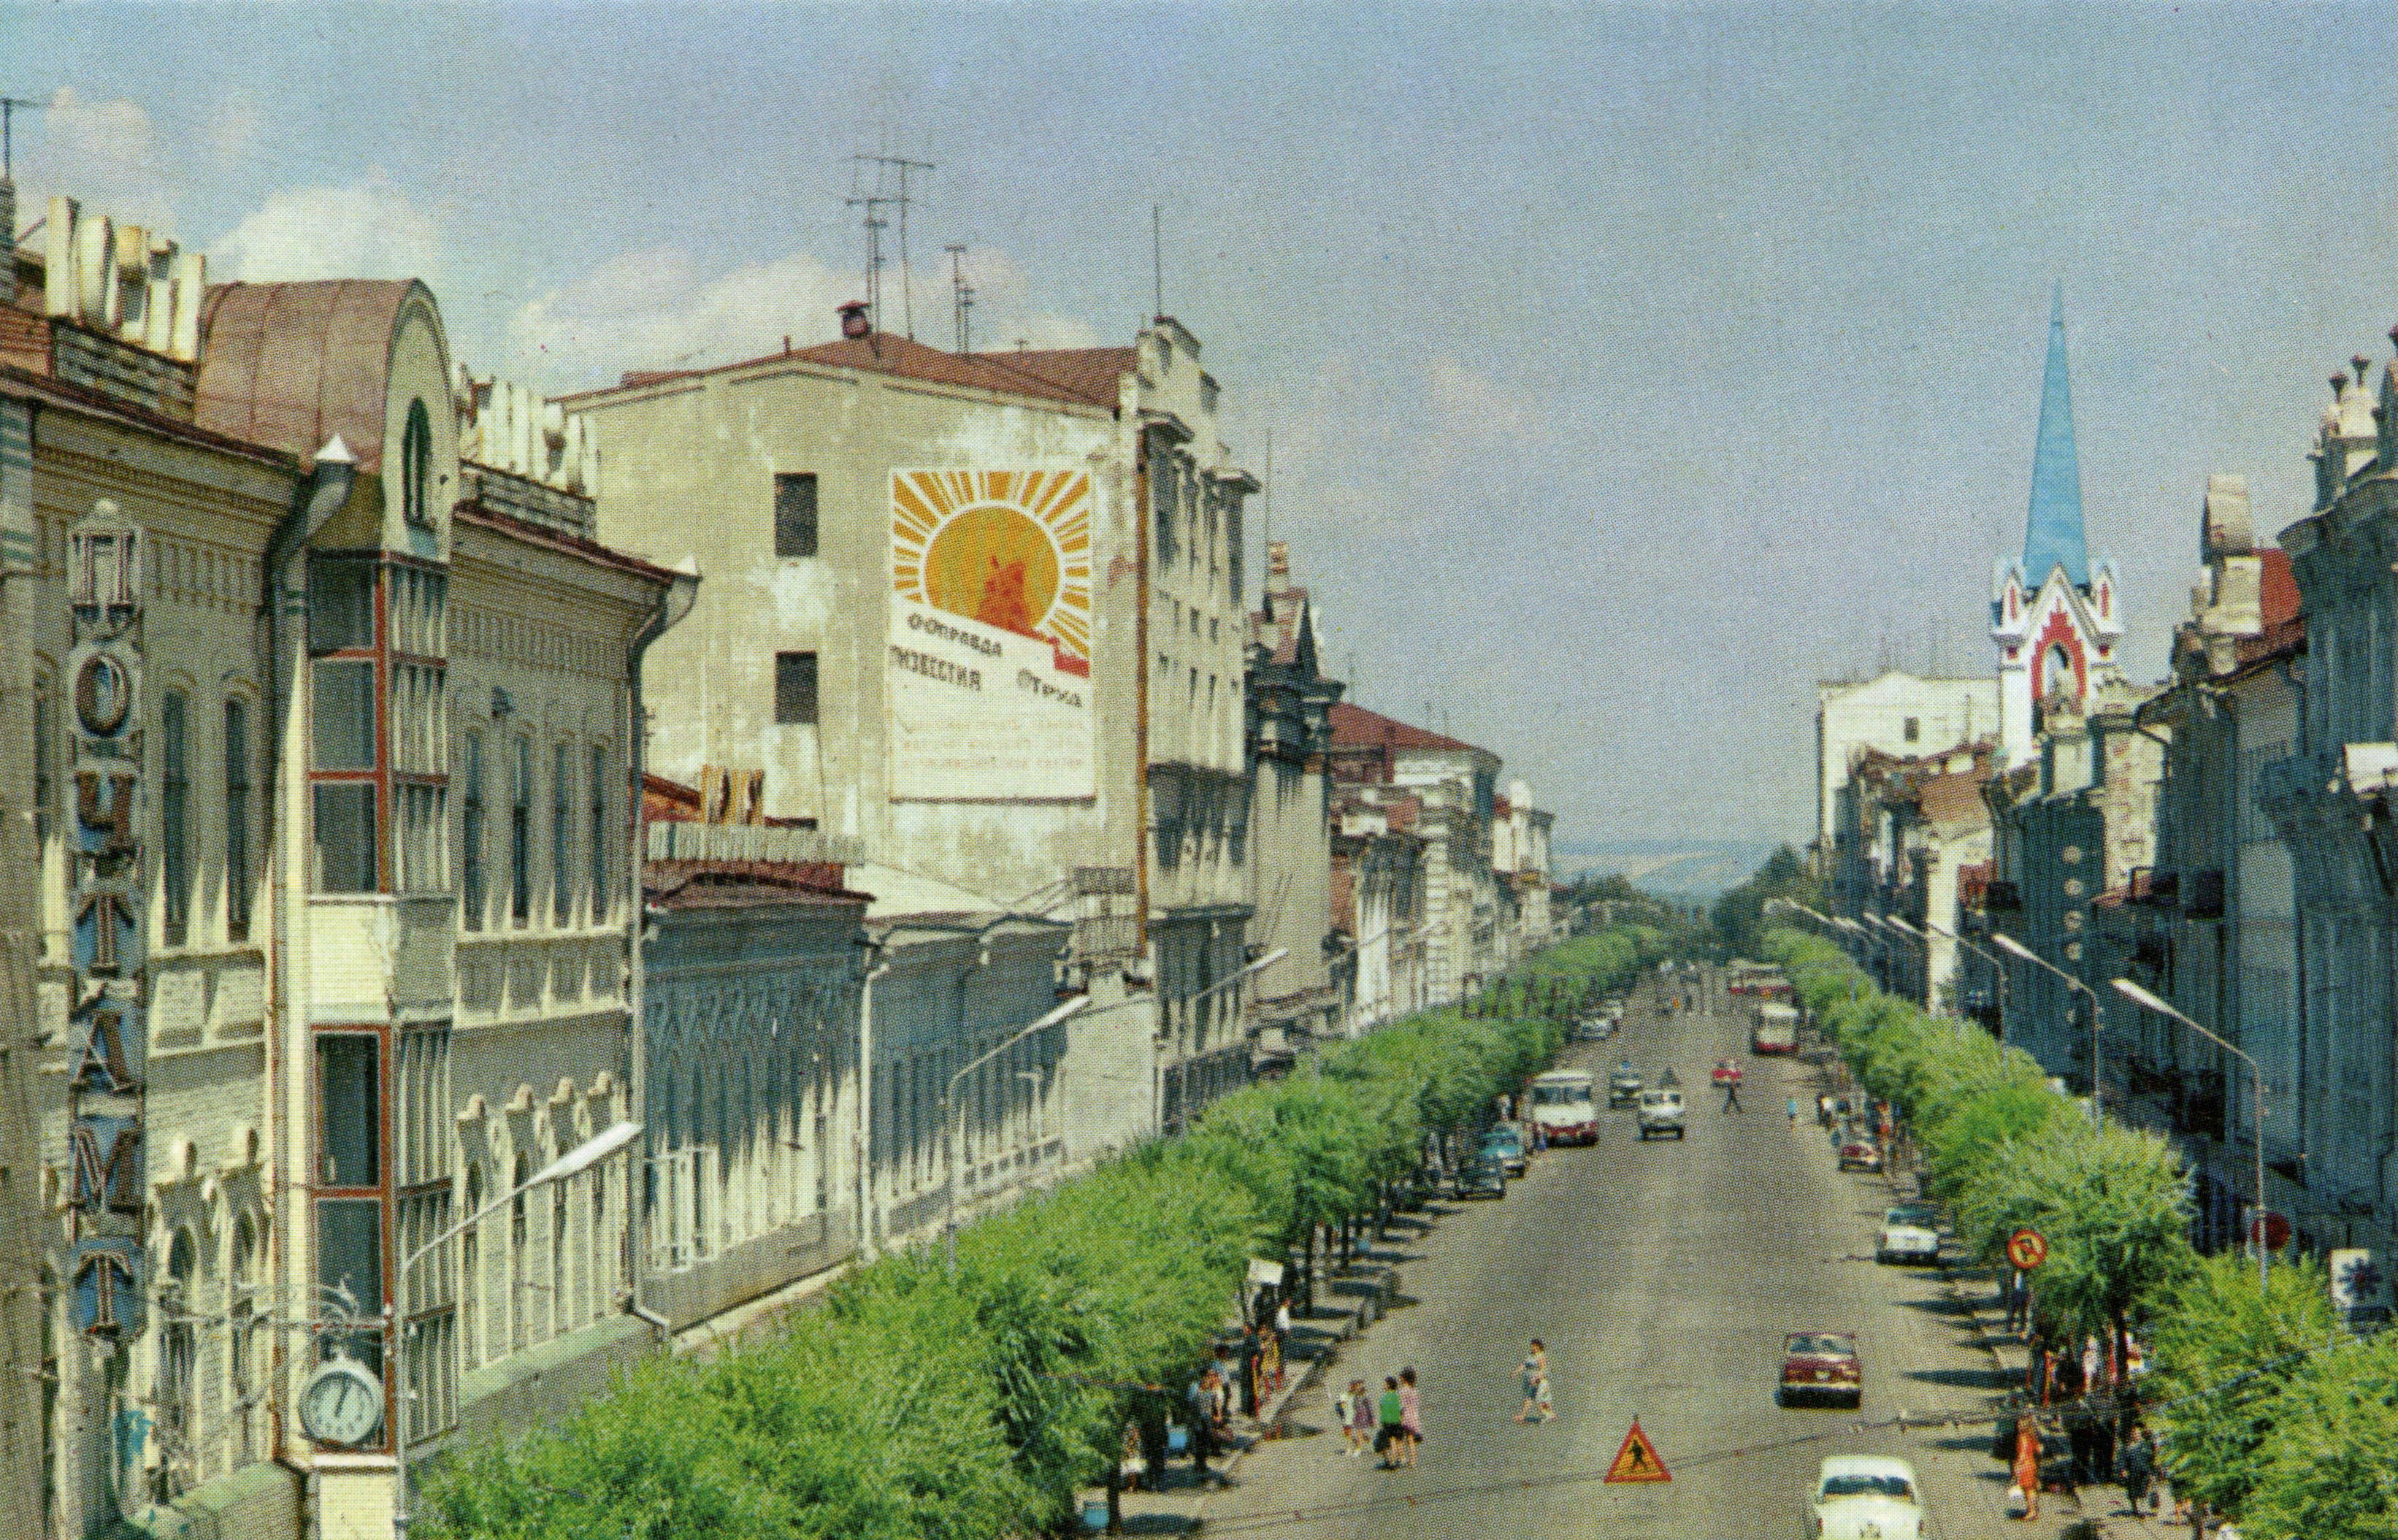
{"points": [[1008, 548]]}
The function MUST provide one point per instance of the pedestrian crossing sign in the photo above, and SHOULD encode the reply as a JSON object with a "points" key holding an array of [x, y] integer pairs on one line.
{"points": [[1636, 1461]]}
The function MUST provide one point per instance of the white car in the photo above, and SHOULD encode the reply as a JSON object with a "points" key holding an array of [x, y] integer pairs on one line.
{"points": [[1660, 1114], [1866, 1497], [1910, 1233]]}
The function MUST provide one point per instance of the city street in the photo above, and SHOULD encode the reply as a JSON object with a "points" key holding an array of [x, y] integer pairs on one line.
{"points": [[1662, 1277]]}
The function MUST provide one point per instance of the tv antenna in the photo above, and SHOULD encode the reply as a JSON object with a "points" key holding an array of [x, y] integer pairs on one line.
{"points": [[9, 105], [962, 296], [891, 187], [1157, 257], [875, 225]]}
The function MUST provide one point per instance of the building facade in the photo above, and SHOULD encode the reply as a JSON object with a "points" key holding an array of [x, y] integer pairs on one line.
{"points": [[310, 966], [1290, 815], [1894, 713]]}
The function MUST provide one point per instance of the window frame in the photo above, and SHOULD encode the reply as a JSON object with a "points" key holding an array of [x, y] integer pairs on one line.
{"points": [[798, 531], [561, 834], [799, 694], [175, 815], [240, 877]]}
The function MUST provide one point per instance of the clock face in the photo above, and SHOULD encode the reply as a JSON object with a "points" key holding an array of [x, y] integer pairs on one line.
{"points": [[341, 1404]]}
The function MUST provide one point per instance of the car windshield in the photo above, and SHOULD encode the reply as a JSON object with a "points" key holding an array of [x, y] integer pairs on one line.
{"points": [[1503, 1135], [1908, 1213], [1821, 1343], [1559, 1096], [1861, 1483]]}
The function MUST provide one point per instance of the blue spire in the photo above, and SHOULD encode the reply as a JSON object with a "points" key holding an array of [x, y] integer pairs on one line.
{"points": [[2053, 537]]}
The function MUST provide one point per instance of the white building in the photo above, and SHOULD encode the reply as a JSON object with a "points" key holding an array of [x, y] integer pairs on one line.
{"points": [[1895, 713]]}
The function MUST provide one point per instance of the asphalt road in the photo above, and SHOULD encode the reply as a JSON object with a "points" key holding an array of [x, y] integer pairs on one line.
{"points": [[1662, 1277]]}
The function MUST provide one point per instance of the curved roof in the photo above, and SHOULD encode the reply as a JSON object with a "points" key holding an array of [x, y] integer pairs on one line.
{"points": [[290, 365]]}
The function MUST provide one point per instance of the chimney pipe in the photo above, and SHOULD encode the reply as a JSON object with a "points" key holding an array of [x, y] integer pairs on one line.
{"points": [[853, 321]]}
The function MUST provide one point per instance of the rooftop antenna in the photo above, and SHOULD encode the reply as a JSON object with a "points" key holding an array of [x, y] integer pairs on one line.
{"points": [[875, 225], [886, 165], [961, 298], [1157, 256], [9, 105], [1268, 496]]}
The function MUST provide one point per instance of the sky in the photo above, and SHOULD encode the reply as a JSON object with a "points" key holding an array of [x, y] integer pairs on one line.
{"points": [[1627, 371]]}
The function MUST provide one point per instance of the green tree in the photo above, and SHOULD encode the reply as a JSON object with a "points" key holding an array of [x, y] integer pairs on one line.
{"points": [[2331, 1467], [2225, 1353]]}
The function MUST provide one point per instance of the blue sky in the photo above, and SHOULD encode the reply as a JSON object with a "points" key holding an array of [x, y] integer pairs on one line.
{"points": [[1627, 370]]}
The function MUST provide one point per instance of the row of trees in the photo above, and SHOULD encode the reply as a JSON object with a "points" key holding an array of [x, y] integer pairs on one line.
{"points": [[919, 1405], [2268, 1411]]}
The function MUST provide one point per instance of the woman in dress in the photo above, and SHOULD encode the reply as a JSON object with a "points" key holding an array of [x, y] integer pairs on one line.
{"points": [[1410, 1418]]}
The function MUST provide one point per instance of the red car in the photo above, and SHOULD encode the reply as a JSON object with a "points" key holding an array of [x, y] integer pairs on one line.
{"points": [[1822, 1365], [1858, 1152]]}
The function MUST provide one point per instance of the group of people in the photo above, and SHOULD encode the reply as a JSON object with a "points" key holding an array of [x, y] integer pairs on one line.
{"points": [[2095, 1457], [1389, 1423]]}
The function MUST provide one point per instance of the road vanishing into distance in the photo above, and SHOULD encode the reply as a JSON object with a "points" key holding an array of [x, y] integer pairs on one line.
{"points": [[1662, 1277]]}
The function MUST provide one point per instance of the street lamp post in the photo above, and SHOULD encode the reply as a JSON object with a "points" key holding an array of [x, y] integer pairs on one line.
{"points": [[2140, 996], [575, 1162], [2017, 949], [957, 1131], [1996, 967]]}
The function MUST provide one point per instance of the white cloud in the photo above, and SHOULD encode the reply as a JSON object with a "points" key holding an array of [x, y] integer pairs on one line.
{"points": [[366, 230], [105, 154], [1471, 407], [654, 310]]}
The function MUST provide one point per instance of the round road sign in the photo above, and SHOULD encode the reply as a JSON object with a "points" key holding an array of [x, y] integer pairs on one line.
{"points": [[2027, 1249], [2277, 1232]]}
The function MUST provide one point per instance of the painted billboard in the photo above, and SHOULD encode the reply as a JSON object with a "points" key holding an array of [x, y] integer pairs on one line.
{"points": [[989, 666]]}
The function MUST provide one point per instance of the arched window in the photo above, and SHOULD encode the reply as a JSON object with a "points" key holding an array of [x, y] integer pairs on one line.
{"points": [[558, 1315], [596, 1247], [2059, 672], [516, 1281], [416, 463], [698, 1159], [470, 1268], [242, 1321], [179, 1350]]}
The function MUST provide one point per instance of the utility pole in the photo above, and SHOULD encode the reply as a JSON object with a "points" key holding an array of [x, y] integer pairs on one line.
{"points": [[891, 186], [1157, 257]]}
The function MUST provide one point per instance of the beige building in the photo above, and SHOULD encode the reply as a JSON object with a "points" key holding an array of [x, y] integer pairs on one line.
{"points": [[1290, 817], [332, 761], [980, 612], [1451, 787]]}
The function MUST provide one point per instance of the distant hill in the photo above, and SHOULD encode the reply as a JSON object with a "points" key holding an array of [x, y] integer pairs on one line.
{"points": [[1670, 869]]}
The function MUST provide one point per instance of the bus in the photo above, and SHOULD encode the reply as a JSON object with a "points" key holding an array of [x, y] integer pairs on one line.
{"points": [[1563, 1108], [1776, 1030]]}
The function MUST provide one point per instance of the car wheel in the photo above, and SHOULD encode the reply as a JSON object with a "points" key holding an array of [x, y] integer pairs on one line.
{"points": [[1679, 1132]]}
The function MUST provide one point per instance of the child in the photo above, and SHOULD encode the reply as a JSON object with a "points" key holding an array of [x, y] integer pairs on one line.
{"points": [[1344, 1407], [1391, 1413], [1361, 1416]]}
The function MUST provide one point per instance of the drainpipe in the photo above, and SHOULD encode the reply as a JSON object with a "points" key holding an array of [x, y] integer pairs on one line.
{"points": [[315, 497], [862, 1138], [673, 606]]}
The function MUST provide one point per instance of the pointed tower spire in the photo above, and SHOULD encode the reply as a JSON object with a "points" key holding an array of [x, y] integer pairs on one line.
{"points": [[2053, 537]]}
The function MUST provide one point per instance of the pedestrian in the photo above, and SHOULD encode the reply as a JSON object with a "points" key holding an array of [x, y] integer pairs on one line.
{"points": [[1823, 1110], [1732, 1091], [1391, 1413], [2026, 1470], [1535, 1372], [1410, 1417], [2140, 1469], [1791, 1106], [1202, 1396], [1344, 1411], [1361, 1416]]}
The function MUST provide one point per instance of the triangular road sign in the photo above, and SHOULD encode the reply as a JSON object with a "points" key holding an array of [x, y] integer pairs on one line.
{"points": [[1636, 1461]]}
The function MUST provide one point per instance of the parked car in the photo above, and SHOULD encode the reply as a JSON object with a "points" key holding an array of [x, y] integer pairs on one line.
{"points": [[1910, 1233], [1623, 1086], [1660, 1114], [1822, 1365], [1866, 1497], [1858, 1151], [1505, 1145], [1481, 1176], [1592, 1028]]}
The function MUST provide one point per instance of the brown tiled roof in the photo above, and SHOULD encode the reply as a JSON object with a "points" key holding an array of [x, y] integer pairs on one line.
{"points": [[1954, 798], [1088, 371], [606, 556], [1355, 727], [290, 365], [736, 884], [2278, 597], [881, 353]]}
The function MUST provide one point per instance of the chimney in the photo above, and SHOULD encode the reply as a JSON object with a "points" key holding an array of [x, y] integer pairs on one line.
{"points": [[1277, 566], [853, 322]]}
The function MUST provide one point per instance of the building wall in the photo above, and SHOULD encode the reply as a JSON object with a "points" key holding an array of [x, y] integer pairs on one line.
{"points": [[1879, 712]]}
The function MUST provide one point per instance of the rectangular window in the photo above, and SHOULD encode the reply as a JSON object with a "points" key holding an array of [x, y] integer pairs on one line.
{"points": [[1232, 549], [349, 1109], [237, 819], [1164, 483], [795, 513], [345, 853], [341, 605], [349, 1258], [795, 689], [174, 816], [520, 835], [423, 813], [42, 781], [420, 718], [561, 891], [471, 894], [1914, 729], [343, 708], [599, 836]]}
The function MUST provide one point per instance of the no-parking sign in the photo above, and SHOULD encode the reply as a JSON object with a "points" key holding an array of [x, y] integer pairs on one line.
{"points": [[2027, 1249]]}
